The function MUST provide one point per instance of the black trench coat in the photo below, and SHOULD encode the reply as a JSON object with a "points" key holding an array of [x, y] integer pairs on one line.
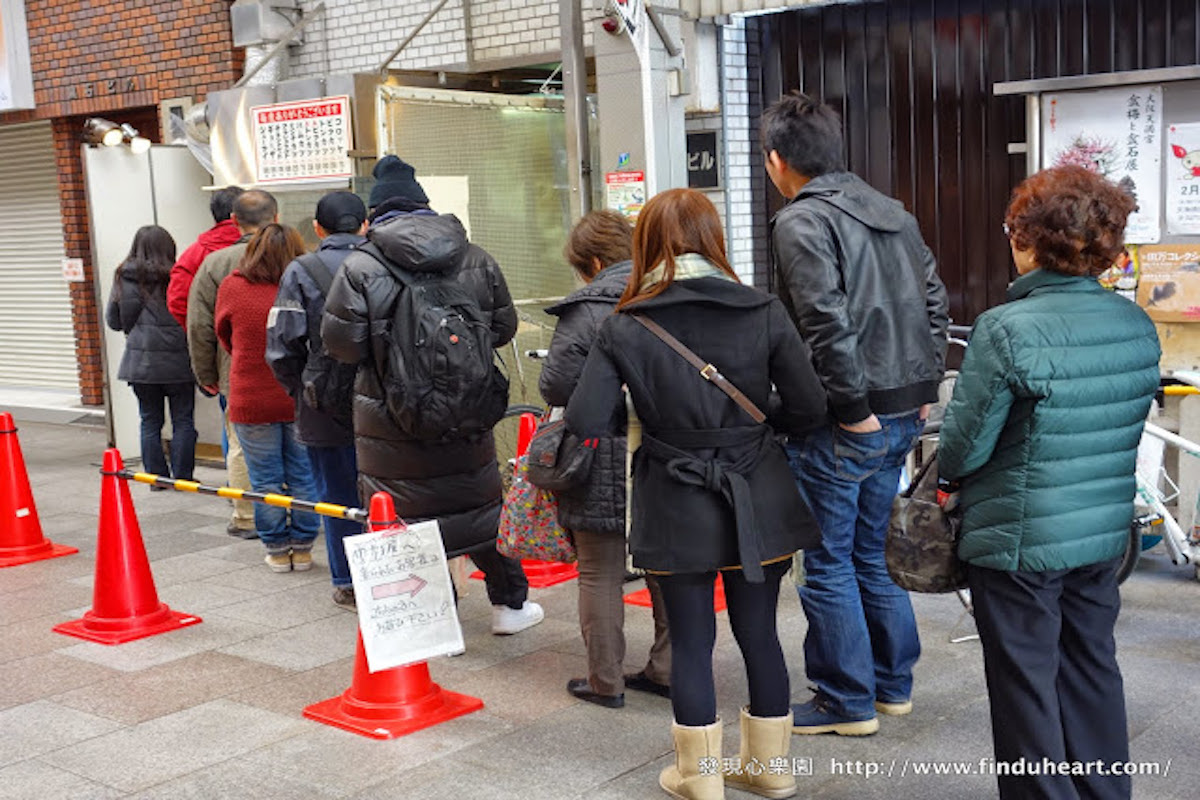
{"points": [[702, 455]]}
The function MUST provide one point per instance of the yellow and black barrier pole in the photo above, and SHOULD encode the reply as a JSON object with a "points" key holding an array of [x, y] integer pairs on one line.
{"points": [[279, 500]]}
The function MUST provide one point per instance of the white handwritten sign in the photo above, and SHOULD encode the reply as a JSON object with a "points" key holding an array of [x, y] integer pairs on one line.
{"points": [[406, 609]]}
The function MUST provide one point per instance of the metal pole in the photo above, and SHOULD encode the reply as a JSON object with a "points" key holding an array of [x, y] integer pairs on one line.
{"points": [[270, 499], [282, 43], [574, 71], [384, 66]]}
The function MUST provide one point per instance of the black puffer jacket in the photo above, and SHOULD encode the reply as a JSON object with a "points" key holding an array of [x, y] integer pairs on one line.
{"points": [[864, 291], [156, 348], [711, 488], [599, 505], [456, 482]]}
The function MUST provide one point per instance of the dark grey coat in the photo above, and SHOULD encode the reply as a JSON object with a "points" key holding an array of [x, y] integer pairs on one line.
{"points": [[599, 505], [702, 456], [455, 482], [156, 348]]}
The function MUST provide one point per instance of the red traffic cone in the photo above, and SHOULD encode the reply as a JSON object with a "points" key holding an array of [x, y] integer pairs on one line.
{"points": [[21, 539], [125, 604], [642, 597], [392, 702]]}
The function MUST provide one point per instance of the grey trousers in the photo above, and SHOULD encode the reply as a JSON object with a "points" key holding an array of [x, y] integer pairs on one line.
{"points": [[602, 614]]}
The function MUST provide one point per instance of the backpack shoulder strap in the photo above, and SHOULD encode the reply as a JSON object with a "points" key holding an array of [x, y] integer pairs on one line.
{"points": [[317, 270]]}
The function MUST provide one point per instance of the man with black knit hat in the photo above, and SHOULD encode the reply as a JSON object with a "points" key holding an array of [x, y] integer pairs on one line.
{"points": [[451, 478], [396, 188], [322, 387]]}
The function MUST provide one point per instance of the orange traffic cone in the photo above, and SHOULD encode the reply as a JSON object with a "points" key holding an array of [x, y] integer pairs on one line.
{"points": [[642, 597], [21, 539], [125, 604], [392, 702]]}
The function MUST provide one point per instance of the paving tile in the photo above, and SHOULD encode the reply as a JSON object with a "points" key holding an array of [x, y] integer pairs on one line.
{"points": [[135, 697], [236, 779], [28, 679], [301, 647], [42, 727], [31, 637], [33, 780], [200, 597], [162, 749], [288, 608], [213, 633]]}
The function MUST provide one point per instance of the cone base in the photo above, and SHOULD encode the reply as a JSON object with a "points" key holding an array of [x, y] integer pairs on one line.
{"points": [[11, 557], [542, 573], [119, 631], [338, 712], [642, 598]]}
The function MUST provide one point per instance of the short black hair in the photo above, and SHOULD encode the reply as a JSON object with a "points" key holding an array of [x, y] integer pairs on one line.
{"points": [[221, 204], [805, 133], [254, 209]]}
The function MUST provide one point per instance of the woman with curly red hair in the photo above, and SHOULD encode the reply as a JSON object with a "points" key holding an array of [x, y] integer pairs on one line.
{"points": [[1042, 432]]}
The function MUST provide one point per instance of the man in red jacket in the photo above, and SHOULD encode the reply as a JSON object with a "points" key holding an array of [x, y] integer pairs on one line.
{"points": [[224, 233]]}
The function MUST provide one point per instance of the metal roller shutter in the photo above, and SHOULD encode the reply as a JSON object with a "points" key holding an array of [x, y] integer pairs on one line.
{"points": [[37, 337]]}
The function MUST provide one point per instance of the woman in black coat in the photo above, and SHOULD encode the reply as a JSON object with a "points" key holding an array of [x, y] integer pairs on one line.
{"points": [[712, 490], [155, 362], [599, 250]]}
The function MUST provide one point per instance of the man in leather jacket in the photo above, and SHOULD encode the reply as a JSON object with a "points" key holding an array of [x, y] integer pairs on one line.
{"points": [[863, 290]]}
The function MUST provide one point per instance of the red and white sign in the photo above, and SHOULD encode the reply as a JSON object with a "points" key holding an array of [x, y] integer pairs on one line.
{"points": [[72, 270], [308, 140], [625, 193]]}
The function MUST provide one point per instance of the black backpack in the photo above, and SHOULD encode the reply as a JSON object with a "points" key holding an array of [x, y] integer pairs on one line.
{"points": [[441, 379], [328, 384]]}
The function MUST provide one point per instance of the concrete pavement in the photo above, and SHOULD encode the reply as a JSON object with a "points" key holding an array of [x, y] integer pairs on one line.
{"points": [[214, 710]]}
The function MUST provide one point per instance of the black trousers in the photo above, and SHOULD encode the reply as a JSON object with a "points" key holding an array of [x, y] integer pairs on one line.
{"points": [[689, 601], [1055, 688], [505, 579]]}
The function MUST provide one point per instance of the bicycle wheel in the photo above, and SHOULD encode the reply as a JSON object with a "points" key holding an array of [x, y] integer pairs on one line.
{"points": [[1133, 551], [505, 433]]}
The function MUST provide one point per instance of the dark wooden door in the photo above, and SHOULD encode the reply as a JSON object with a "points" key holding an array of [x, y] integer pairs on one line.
{"points": [[913, 81]]}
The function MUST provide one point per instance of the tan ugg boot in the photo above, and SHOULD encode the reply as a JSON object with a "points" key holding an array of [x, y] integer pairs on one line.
{"points": [[697, 771], [764, 739]]}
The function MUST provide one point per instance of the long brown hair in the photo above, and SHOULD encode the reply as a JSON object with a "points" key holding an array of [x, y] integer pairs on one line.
{"points": [[674, 222], [269, 252]]}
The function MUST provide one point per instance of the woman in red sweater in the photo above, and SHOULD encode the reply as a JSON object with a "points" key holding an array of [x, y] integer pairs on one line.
{"points": [[261, 411]]}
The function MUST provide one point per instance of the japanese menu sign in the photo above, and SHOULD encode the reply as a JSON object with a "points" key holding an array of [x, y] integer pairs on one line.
{"points": [[1169, 286], [406, 609], [1117, 133], [307, 140], [1183, 178]]}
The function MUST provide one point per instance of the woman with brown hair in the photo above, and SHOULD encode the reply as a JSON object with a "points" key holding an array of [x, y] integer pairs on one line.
{"points": [[599, 250], [712, 491], [261, 411], [1042, 432]]}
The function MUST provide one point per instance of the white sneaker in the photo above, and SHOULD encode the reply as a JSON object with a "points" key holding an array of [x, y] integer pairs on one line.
{"points": [[506, 621]]}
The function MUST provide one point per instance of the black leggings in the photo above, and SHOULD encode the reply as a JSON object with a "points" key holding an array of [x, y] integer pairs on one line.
{"points": [[689, 601]]}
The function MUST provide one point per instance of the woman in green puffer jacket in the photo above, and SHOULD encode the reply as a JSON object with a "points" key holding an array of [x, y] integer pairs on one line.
{"points": [[1042, 432]]}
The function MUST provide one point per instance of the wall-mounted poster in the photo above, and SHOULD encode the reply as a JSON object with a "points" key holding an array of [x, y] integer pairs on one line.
{"points": [[308, 140], [1183, 178], [1169, 285], [1118, 133], [625, 193]]}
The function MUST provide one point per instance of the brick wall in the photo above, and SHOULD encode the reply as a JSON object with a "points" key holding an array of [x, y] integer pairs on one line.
{"points": [[116, 60]]}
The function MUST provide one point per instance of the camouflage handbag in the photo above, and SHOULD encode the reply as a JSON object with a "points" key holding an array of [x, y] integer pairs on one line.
{"points": [[921, 549]]}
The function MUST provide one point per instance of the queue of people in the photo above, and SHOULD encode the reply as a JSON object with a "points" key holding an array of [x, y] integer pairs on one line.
{"points": [[770, 425]]}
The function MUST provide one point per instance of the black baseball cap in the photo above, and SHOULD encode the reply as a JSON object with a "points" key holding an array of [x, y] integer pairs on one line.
{"points": [[341, 212]]}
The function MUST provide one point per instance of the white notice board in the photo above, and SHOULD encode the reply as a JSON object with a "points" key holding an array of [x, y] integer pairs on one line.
{"points": [[308, 140], [405, 599], [1117, 133]]}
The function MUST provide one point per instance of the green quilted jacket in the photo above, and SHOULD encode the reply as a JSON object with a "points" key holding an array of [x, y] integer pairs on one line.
{"points": [[1044, 424]]}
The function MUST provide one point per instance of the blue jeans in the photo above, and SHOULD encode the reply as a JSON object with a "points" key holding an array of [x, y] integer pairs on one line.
{"points": [[182, 398], [278, 463], [862, 640], [335, 471]]}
